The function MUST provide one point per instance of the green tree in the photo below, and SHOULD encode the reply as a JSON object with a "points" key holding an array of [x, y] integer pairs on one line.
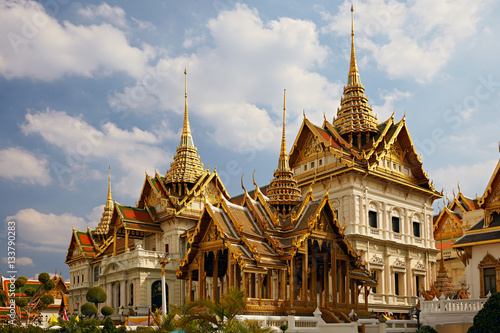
{"points": [[89, 309], [36, 300], [427, 329], [206, 315], [109, 326], [96, 295], [107, 310], [488, 318]]}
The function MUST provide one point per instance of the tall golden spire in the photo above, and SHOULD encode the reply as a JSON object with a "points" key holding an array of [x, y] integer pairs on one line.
{"points": [[186, 167], [355, 115], [186, 138], [103, 226], [283, 190], [283, 161], [353, 77]]}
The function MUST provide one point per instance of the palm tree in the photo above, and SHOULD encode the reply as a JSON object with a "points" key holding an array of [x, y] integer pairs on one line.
{"points": [[209, 316]]}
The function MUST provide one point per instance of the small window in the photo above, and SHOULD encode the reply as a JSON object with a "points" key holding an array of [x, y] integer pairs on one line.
{"points": [[375, 277], [78, 279], [489, 279], [372, 219], [320, 162], [82, 278], [166, 248], [96, 273], [417, 285], [416, 229], [305, 167], [396, 283], [395, 224], [312, 165]]}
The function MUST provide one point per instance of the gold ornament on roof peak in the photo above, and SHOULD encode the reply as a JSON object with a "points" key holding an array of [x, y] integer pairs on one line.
{"points": [[103, 226], [186, 167], [355, 115], [283, 191]]}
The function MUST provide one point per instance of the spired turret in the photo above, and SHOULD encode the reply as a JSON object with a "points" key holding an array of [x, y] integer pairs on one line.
{"points": [[103, 226], [186, 168], [355, 117], [283, 192]]}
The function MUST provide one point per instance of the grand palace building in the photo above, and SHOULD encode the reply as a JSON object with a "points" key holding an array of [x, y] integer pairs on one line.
{"points": [[345, 224]]}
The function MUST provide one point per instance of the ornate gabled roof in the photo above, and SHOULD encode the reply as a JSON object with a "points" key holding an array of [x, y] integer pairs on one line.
{"points": [[490, 201], [81, 246], [392, 143], [103, 226], [186, 167], [448, 225], [136, 219], [283, 190], [249, 233], [354, 114]]}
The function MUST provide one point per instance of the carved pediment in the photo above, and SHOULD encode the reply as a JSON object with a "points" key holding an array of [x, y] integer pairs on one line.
{"points": [[449, 229], [312, 146], [488, 260], [376, 261]]}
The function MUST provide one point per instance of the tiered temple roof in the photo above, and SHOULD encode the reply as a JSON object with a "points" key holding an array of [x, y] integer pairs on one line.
{"points": [[355, 115]]}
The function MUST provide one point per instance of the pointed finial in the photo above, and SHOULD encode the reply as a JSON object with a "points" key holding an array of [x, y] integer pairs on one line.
{"points": [[324, 116], [353, 78], [283, 160], [304, 113], [253, 178], [243, 186], [185, 130], [109, 185], [352, 20]]}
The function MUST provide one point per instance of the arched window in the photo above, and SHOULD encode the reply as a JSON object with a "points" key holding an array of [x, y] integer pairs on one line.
{"points": [[96, 273], [156, 301]]}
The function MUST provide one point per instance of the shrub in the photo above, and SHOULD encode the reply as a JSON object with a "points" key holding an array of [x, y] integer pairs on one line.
{"points": [[96, 295], [107, 310], [44, 277], [109, 326], [427, 329], [89, 309], [488, 318]]}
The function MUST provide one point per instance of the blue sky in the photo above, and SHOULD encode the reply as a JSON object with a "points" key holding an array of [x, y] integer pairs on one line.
{"points": [[85, 85]]}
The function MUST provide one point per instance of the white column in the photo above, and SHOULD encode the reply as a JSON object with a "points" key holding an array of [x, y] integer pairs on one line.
{"points": [[123, 301], [163, 296]]}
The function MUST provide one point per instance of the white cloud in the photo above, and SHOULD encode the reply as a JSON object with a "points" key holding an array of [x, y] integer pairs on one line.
{"points": [[131, 151], [414, 39], [46, 230], [113, 14], [384, 111], [472, 178], [95, 215], [21, 261], [143, 25], [250, 63], [22, 166], [36, 46]]}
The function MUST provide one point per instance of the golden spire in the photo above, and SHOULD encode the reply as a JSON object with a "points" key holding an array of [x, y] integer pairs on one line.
{"points": [[103, 226], [353, 67], [354, 114], [283, 161], [283, 190], [186, 167], [186, 138]]}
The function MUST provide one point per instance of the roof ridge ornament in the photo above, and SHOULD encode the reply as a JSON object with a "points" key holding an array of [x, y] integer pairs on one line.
{"points": [[355, 114], [283, 191], [186, 167]]}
